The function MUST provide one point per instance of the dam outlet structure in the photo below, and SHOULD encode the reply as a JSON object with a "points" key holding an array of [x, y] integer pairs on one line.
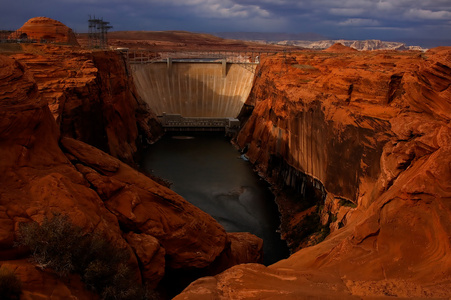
{"points": [[195, 93]]}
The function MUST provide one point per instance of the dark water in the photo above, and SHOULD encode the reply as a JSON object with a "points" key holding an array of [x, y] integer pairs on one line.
{"points": [[208, 172]]}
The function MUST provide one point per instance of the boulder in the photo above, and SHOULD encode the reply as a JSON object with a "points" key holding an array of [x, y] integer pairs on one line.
{"points": [[150, 255]]}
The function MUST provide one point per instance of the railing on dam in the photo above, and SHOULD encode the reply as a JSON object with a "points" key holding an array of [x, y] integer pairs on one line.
{"points": [[175, 122], [245, 59], [148, 56]]}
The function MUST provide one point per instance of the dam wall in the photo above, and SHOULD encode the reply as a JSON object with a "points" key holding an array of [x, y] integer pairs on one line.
{"points": [[205, 89]]}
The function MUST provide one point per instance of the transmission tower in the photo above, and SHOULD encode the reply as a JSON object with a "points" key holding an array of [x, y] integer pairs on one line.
{"points": [[98, 30]]}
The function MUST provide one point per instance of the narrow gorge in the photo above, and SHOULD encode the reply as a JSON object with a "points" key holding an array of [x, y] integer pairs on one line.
{"points": [[356, 145]]}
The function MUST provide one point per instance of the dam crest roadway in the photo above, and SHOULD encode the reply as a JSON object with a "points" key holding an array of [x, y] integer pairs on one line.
{"points": [[194, 91]]}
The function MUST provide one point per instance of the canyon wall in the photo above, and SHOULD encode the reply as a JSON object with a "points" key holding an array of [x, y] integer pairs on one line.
{"points": [[56, 105], [194, 89], [323, 114], [374, 129], [367, 132], [92, 97]]}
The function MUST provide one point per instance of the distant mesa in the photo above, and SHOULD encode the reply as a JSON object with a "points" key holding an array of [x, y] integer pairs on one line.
{"points": [[361, 45], [338, 47], [43, 29]]}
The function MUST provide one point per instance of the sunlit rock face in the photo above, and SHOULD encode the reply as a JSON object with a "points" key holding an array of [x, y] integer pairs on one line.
{"points": [[374, 128], [371, 127], [43, 29], [92, 97], [327, 112]]}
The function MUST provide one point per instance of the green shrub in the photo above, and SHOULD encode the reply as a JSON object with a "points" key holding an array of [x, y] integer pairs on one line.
{"points": [[62, 246], [322, 234], [333, 218], [347, 203], [10, 285]]}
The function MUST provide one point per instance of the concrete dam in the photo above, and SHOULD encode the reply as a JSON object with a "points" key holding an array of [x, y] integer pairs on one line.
{"points": [[195, 93]]}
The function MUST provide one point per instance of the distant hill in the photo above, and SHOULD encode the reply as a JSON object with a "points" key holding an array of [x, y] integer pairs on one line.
{"points": [[304, 39], [356, 44], [270, 36]]}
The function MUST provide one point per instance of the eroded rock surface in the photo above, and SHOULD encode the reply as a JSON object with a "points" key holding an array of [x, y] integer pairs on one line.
{"points": [[44, 171], [46, 30], [370, 130], [374, 129], [92, 97]]}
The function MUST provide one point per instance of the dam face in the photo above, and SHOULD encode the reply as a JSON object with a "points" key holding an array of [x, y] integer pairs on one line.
{"points": [[194, 89]]}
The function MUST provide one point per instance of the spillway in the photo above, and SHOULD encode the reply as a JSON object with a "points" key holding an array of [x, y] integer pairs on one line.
{"points": [[202, 89]]}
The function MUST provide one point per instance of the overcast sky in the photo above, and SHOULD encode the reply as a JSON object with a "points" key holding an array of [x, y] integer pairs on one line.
{"points": [[348, 19]]}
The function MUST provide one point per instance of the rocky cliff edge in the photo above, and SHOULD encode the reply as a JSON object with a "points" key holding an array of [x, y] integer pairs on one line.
{"points": [[45, 171], [374, 130]]}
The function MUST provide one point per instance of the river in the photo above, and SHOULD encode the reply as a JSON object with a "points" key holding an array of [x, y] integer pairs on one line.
{"points": [[208, 172]]}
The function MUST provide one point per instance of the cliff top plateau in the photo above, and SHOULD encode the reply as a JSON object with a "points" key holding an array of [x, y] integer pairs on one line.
{"points": [[181, 41]]}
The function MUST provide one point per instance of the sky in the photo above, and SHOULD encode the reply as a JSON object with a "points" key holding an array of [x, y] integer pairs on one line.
{"points": [[335, 19]]}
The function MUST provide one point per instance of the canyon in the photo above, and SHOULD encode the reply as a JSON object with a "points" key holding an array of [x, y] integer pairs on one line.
{"points": [[382, 116], [358, 141]]}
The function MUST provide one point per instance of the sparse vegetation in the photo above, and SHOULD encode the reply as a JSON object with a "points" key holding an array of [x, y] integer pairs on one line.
{"points": [[64, 247], [347, 203], [322, 234], [10, 48], [304, 67], [10, 285], [333, 218], [308, 232]]}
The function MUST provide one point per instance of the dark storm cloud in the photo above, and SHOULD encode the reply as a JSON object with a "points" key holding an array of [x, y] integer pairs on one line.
{"points": [[338, 19]]}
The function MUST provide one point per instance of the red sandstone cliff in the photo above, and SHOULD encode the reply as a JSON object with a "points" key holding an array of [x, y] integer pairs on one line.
{"points": [[92, 97], [41, 174], [44, 170], [374, 129]]}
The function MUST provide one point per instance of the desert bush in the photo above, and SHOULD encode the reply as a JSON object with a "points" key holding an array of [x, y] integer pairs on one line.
{"points": [[64, 247], [10, 285], [347, 203], [53, 243]]}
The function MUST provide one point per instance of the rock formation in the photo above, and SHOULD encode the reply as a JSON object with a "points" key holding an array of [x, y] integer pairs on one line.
{"points": [[43, 29], [374, 129], [355, 143], [54, 101], [92, 97], [337, 48]]}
